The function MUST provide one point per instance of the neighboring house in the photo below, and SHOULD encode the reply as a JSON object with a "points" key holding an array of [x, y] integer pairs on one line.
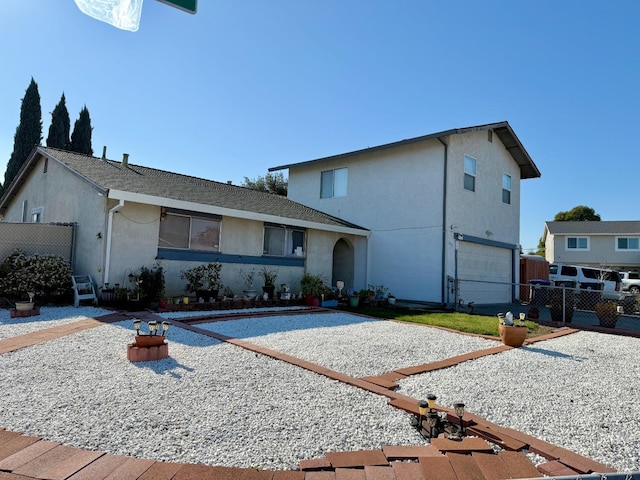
{"points": [[439, 207], [612, 244], [129, 216]]}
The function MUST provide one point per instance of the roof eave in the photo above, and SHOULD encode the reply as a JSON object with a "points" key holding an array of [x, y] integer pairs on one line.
{"points": [[504, 131]]}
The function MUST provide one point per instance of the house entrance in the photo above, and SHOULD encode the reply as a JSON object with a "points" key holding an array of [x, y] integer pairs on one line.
{"points": [[342, 264]]}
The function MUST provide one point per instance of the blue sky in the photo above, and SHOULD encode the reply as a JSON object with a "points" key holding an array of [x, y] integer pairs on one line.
{"points": [[246, 85]]}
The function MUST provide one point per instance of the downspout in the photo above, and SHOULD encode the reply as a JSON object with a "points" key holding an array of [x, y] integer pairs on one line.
{"points": [[107, 255], [443, 275]]}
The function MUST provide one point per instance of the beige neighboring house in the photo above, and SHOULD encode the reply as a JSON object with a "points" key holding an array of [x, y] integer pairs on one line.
{"points": [[610, 244], [129, 216]]}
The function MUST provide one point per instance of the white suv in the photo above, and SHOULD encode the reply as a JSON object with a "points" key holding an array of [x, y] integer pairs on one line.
{"points": [[587, 278]]}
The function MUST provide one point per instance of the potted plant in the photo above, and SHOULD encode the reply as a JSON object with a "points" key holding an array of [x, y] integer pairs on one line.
{"points": [[269, 277], [354, 298], [212, 282], [512, 334], [195, 279], [248, 276], [311, 287], [607, 313]]}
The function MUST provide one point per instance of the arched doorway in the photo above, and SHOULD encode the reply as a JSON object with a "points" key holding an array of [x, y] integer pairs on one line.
{"points": [[342, 264]]}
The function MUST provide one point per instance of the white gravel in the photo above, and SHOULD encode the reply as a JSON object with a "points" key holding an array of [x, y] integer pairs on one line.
{"points": [[49, 317], [355, 345], [580, 391], [214, 403]]}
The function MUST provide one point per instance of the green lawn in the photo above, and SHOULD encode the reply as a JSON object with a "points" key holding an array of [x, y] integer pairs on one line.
{"points": [[462, 322]]}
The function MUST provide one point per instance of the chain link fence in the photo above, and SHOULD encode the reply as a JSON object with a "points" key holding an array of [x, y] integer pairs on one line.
{"points": [[561, 303], [38, 238]]}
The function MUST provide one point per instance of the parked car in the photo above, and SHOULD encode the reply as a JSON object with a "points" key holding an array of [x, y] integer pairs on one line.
{"points": [[630, 282], [587, 278]]}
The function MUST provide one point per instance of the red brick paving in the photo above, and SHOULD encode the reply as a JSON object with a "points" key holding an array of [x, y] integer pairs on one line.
{"points": [[40, 459]]}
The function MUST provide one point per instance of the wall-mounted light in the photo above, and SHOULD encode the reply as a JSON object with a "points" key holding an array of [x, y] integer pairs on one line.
{"points": [[99, 235]]}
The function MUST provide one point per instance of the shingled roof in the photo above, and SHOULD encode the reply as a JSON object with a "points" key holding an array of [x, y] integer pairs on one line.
{"points": [[110, 175], [616, 227], [503, 130]]}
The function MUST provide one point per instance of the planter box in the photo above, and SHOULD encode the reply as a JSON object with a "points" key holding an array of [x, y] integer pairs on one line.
{"points": [[512, 335], [329, 303]]}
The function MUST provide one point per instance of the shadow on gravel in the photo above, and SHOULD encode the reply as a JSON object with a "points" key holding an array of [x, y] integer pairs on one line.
{"points": [[552, 353]]}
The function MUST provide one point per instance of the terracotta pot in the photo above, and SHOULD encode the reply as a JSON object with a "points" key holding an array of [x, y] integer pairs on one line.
{"points": [[512, 335], [149, 340]]}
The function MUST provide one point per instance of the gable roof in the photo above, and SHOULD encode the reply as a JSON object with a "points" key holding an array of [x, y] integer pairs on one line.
{"points": [[136, 183], [615, 227], [503, 130]]}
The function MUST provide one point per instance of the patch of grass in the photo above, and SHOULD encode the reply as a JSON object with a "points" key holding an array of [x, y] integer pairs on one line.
{"points": [[462, 322]]}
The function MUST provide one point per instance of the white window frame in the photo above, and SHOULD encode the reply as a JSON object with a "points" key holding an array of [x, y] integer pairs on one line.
{"points": [[336, 181], [288, 244], [577, 247], [628, 249], [470, 173], [506, 188], [165, 216], [36, 215]]}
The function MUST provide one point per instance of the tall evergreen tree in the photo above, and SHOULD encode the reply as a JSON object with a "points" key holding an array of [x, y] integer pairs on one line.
{"points": [[81, 136], [28, 133], [60, 126]]}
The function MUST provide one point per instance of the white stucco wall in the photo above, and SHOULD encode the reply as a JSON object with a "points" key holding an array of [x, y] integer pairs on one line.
{"points": [[397, 193], [51, 191]]}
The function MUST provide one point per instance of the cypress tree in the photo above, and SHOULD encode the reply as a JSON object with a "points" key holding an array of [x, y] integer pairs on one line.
{"points": [[60, 126], [28, 133], [81, 136]]}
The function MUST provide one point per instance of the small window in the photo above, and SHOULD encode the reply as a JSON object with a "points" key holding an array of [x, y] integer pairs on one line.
{"points": [[627, 243], [36, 215], [333, 183], [506, 188], [569, 271], [469, 173], [577, 243], [189, 233], [283, 241]]}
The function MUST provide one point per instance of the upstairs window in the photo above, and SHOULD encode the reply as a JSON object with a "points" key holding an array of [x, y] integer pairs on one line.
{"points": [[333, 183], [627, 243], [283, 241], [469, 173], [506, 188], [189, 232], [577, 243]]}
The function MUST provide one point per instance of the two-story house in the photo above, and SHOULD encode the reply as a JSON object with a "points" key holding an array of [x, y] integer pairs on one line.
{"points": [[439, 207], [611, 244]]}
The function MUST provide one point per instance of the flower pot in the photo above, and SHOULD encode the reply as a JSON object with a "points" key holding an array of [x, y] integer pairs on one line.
{"points": [[249, 294], [513, 335], [391, 300], [22, 306], [607, 313], [269, 290], [354, 301], [149, 340]]}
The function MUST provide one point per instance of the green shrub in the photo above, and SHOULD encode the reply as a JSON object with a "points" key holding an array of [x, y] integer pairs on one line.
{"points": [[151, 284], [47, 276]]}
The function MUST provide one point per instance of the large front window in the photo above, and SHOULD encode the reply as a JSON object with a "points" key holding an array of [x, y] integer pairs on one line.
{"points": [[189, 232], [627, 243], [283, 241], [333, 183], [577, 243]]}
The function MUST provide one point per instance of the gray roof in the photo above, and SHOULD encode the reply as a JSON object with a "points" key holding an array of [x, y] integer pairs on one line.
{"points": [[503, 130], [112, 175], [615, 227]]}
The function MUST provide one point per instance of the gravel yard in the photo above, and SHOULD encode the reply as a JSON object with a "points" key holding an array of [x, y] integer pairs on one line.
{"points": [[215, 403]]}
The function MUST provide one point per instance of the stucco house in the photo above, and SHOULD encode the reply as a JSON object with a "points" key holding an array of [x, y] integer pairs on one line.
{"points": [[129, 216], [443, 209], [611, 244]]}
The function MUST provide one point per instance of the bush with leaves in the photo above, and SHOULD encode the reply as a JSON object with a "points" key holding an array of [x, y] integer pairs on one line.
{"points": [[151, 284], [48, 276]]}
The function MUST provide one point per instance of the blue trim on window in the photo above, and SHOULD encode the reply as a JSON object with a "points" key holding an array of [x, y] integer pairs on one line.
{"points": [[202, 256]]}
